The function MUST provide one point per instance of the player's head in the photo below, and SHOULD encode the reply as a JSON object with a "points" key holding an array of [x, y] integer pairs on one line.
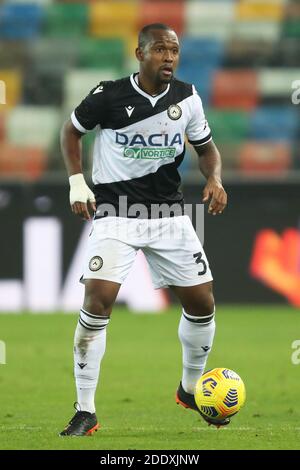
{"points": [[158, 52]]}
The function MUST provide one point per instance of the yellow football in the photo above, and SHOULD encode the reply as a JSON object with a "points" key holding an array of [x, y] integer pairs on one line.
{"points": [[220, 393]]}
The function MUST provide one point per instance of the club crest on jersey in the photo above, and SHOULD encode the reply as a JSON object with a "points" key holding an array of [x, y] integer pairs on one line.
{"points": [[174, 112], [96, 263]]}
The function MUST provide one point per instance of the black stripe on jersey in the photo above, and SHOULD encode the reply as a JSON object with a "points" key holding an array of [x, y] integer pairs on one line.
{"points": [[201, 141], [161, 187], [121, 94]]}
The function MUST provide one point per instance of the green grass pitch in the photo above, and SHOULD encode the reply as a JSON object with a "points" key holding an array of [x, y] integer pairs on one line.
{"points": [[139, 376]]}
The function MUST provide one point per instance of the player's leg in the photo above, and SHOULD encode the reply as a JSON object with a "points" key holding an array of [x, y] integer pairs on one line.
{"points": [[179, 261], [196, 333], [90, 338], [108, 261], [196, 330], [89, 349]]}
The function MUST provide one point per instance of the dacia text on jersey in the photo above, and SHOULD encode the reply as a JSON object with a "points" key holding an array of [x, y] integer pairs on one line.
{"points": [[155, 146]]}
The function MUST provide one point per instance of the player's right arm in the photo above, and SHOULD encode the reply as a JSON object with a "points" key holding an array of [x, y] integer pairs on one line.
{"points": [[80, 193], [84, 118]]}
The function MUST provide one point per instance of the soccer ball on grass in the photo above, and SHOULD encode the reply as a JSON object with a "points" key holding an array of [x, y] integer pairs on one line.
{"points": [[220, 393]]}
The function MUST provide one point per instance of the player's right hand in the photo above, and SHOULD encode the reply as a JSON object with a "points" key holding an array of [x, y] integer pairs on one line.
{"points": [[80, 196]]}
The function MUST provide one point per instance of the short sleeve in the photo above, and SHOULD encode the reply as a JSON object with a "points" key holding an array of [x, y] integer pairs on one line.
{"points": [[198, 131], [91, 110]]}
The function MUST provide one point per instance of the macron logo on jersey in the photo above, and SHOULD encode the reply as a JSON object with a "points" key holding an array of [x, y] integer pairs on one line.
{"points": [[99, 89], [129, 110], [153, 147]]}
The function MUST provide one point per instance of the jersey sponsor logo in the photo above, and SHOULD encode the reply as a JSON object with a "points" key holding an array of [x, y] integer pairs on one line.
{"points": [[153, 140], [149, 153], [152, 147], [174, 112], [129, 110]]}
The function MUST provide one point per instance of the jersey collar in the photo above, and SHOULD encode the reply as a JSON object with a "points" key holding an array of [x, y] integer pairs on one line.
{"points": [[153, 99]]}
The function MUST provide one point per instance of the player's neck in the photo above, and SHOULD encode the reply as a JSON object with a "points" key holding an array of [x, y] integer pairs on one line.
{"points": [[148, 86]]}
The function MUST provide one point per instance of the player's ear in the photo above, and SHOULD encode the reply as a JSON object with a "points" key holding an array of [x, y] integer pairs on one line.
{"points": [[139, 53]]}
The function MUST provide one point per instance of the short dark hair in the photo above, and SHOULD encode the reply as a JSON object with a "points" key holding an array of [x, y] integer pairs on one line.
{"points": [[145, 36]]}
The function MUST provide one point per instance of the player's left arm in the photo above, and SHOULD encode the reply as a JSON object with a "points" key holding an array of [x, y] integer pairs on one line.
{"points": [[210, 165]]}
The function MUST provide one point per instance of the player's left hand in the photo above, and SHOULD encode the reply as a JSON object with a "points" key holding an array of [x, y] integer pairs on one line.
{"points": [[217, 195]]}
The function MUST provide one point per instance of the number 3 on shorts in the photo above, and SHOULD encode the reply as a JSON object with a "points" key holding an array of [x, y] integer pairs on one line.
{"points": [[201, 261]]}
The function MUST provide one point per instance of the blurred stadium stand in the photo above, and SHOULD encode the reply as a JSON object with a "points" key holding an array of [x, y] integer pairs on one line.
{"points": [[242, 55]]}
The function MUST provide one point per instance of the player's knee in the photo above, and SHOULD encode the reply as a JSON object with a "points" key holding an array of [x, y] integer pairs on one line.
{"points": [[202, 306], [97, 305]]}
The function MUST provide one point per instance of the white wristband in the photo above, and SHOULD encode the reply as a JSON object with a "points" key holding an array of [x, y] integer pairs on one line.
{"points": [[79, 190], [76, 179]]}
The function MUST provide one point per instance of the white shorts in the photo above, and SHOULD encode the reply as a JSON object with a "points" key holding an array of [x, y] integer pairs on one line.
{"points": [[170, 245]]}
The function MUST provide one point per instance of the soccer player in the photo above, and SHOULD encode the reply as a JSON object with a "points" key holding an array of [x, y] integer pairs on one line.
{"points": [[142, 123]]}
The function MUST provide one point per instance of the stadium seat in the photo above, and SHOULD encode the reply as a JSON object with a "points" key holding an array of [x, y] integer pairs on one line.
{"points": [[291, 28], [286, 53], [33, 126], [253, 30], [34, 90], [131, 42], [292, 10], [209, 19], [101, 53], [200, 58], [277, 82], [14, 52], [131, 65], [66, 19], [79, 82], [26, 163], [13, 86], [201, 52], [113, 19], [259, 10], [221, 31], [53, 54], [230, 152], [245, 53], [216, 30], [209, 11], [267, 158], [201, 77], [189, 162], [170, 12], [228, 126], [274, 123], [20, 21], [236, 89]]}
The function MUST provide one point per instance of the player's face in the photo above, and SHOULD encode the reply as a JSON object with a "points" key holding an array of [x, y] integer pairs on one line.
{"points": [[160, 56]]}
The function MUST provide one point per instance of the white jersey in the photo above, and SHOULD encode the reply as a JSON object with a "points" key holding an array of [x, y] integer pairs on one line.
{"points": [[140, 139]]}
